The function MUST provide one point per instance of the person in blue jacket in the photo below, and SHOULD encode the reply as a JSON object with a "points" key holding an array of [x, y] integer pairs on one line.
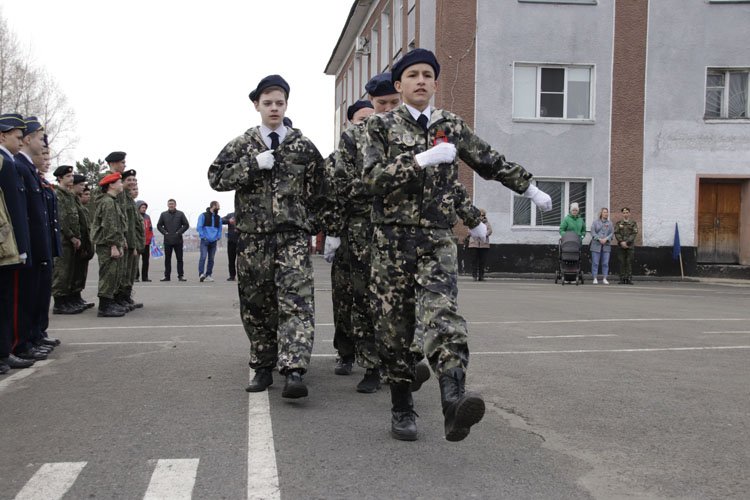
{"points": [[209, 229]]}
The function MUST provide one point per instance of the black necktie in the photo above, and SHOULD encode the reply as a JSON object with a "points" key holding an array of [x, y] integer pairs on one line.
{"points": [[274, 140], [422, 120]]}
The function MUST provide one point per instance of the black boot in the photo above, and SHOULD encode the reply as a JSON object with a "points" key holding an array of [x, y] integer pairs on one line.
{"points": [[460, 409], [129, 299], [403, 416], [422, 375], [86, 305], [262, 379], [344, 365], [123, 304], [294, 387], [61, 306], [108, 309], [370, 382]]}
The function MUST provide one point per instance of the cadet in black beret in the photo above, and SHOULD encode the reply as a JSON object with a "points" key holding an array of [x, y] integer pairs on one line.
{"points": [[411, 58], [267, 82], [352, 110], [78, 179], [383, 94], [115, 156], [128, 173], [62, 170]]}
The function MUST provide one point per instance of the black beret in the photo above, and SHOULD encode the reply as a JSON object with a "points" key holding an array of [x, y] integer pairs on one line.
{"points": [[10, 121], [411, 58], [115, 156], [269, 81], [78, 178], [32, 125], [380, 85], [287, 122], [62, 170], [361, 104], [128, 173], [86, 188]]}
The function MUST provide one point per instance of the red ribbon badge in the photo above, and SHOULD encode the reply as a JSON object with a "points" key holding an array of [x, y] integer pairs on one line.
{"points": [[439, 137]]}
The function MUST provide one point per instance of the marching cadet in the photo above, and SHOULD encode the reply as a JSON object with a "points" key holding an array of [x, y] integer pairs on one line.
{"points": [[11, 137], [130, 260], [410, 167], [108, 235], [626, 231], [277, 175], [86, 251], [70, 229]]}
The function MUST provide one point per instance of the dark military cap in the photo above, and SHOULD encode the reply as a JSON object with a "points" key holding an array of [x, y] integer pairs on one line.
{"points": [[9, 121], [380, 85], [361, 104], [32, 125], [62, 170], [86, 187], [269, 81], [287, 122], [411, 58], [78, 178], [128, 173], [115, 156]]}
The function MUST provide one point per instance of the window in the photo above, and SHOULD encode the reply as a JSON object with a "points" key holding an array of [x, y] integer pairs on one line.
{"points": [[726, 93], [590, 2], [728, 1], [350, 85], [374, 52], [411, 20], [340, 104], [356, 80], [563, 193], [385, 31], [398, 28], [552, 92]]}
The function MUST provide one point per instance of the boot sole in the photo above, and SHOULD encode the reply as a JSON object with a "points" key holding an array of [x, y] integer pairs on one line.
{"points": [[294, 391], [469, 412], [368, 389], [255, 388], [101, 315], [404, 437]]}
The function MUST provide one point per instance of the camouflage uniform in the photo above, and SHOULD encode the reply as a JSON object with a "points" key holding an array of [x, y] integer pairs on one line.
{"points": [[85, 253], [108, 228], [350, 273], [70, 227], [276, 211], [129, 261], [414, 255], [626, 231]]}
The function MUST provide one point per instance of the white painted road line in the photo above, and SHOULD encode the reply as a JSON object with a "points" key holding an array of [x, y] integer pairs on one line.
{"points": [[136, 327], [22, 373], [740, 331], [571, 336], [262, 475], [51, 481], [586, 351], [173, 479]]}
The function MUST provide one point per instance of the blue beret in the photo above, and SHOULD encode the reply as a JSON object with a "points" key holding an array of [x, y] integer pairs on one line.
{"points": [[32, 125], [361, 104], [115, 156], [380, 85], [78, 178], [9, 121], [287, 122], [269, 81], [411, 58], [63, 170]]}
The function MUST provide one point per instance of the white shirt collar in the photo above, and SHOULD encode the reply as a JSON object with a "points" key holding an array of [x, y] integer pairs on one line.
{"points": [[264, 131], [27, 157], [415, 112], [6, 150]]}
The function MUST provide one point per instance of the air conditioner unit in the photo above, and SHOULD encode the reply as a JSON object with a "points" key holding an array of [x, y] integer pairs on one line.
{"points": [[362, 46]]}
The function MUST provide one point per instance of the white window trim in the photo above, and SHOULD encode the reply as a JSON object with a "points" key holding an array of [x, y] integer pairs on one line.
{"points": [[546, 119], [725, 94], [589, 201]]}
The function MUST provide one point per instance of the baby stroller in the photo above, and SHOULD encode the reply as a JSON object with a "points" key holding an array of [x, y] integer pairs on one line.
{"points": [[569, 259]]}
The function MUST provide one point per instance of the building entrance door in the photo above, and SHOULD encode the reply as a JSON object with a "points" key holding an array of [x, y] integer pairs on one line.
{"points": [[719, 222]]}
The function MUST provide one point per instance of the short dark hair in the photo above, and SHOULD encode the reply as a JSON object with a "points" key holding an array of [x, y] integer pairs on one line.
{"points": [[213, 204], [271, 89], [172, 199]]}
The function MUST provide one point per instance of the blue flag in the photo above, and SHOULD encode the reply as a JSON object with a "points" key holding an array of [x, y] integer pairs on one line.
{"points": [[155, 250], [676, 248]]}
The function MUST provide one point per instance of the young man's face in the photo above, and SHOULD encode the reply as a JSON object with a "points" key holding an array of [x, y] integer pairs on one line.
{"points": [[133, 190], [272, 107], [12, 140], [116, 187], [625, 213], [46, 162], [117, 166], [85, 197], [216, 208], [417, 85], [142, 209], [34, 143], [171, 206], [385, 103], [361, 114], [77, 189], [129, 182], [66, 180]]}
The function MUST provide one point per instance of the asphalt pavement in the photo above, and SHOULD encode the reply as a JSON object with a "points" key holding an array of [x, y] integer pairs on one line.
{"points": [[592, 391]]}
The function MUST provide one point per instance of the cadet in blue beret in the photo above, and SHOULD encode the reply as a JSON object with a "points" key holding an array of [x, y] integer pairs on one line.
{"points": [[359, 111], [268, 82], [383, 94], [411, 58]]}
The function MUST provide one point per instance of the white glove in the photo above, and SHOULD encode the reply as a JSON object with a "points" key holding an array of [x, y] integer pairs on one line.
{"points": [[445, 152], [265, 160], [479, 231], [329, 249], [539, 197]]}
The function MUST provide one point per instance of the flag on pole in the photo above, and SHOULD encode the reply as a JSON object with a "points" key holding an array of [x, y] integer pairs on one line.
{"points": [[155, 250], [676, 247]]}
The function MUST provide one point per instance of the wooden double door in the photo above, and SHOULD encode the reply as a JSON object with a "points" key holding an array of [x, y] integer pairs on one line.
{"points": [[719, 222]]}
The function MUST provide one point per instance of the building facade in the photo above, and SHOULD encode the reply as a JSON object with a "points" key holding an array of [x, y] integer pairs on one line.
{"points": [[609, 103]]}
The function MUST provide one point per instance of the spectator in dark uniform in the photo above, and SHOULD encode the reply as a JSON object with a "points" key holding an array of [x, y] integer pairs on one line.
{"points": [[233, 237]]}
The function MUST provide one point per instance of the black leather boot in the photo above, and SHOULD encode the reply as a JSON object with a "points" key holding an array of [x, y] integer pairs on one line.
{"points": [[262, 379], [295, 387], [370, 383], [123, 304], [421, 375], [108, 309], [461, 409], [403, 416], [85, 304], [61, 306]]}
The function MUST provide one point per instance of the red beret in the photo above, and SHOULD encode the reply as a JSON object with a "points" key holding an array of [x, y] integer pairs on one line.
{"points": [[110, 179]]}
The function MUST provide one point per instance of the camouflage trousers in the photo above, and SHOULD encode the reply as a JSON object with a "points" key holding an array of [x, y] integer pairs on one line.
{"points": [[110, 271], [275, 283], [63, 272], [626, 258], [414, 282], [127, 272], [352, 298]]}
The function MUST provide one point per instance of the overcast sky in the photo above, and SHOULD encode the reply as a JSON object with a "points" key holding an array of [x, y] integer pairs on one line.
{"points": [[167, 81]]}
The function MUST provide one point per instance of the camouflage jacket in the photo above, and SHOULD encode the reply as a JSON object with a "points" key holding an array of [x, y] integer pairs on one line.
{"points": [[626, 231], [290, 196], [87, 248], [67, 215], [355, 198], [109, 224], [134, 220], [465, 209], [404, 193]]}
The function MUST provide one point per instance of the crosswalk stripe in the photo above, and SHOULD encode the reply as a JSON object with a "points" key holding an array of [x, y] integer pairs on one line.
{"points": [[173, 479], [262, 475], [51, 481]]}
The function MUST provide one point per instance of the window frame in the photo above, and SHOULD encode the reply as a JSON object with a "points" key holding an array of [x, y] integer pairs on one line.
{"points": [[552, 119], [724, 112], [588, 216], [572, 2]]}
